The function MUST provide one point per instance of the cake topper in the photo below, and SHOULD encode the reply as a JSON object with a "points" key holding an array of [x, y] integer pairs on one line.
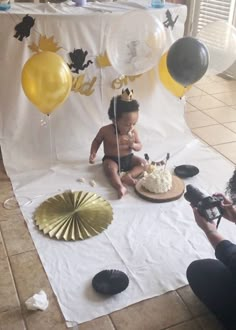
{"points": [[127, 95], [167, 158]]}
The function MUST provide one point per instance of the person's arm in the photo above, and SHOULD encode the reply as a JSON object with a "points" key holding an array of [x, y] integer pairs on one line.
{"points": [[209, 228], [225, 251], [95, 146]]}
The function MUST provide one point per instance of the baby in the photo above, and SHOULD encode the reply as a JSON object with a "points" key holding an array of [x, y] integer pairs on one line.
{"points": [[123, 112]]}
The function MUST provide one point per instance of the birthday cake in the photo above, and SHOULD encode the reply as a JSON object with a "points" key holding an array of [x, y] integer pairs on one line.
{"points": [[157, 180]]}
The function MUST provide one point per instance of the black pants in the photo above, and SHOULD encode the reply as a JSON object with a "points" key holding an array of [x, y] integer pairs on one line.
{"points": [[213, 283]]}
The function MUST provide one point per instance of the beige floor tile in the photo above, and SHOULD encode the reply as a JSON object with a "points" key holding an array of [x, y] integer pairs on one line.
{"points": [[195, 306], [2, 168], [9, 215], [191, 325], [222, 115], [195, 91], [219, 78], [5, 191], [2, 248], [205, 102], [216, 134], [231, 126], [12, 320], [204, 80], [8, 295], [218, 87], [156, 313], [3, 176], [189, 107], [16, 236], [51, 319], [101, 323], [228, 150], [227, 98], [198, 119], [28, 269], [209, 79], [209, 322]]}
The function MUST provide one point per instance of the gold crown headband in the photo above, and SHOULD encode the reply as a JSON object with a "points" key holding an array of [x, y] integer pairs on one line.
{"points": [[127, 95]]}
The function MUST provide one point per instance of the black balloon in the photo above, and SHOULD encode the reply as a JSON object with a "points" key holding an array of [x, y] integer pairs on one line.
{"points": [[187, 60], [110, 281]]}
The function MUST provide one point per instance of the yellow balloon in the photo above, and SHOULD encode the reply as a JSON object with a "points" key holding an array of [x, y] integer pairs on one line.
{"points": [[46, 80], [173, 86]]}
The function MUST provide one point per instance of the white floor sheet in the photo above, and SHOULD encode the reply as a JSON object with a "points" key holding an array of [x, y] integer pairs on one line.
{"points": [[152, 243]]}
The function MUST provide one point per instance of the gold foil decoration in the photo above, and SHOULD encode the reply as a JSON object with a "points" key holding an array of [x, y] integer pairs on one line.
{"points": [[103, 60], [45, 44], [73, 215], [84, 88], [123, 81]]}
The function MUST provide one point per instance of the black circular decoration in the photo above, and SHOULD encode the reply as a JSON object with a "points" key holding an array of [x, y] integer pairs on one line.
{"points": [[110, 281], [187, 60], [186, 171]]}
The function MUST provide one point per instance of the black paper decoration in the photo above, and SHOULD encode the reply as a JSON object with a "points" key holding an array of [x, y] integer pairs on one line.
{"points": [[78, 57], [186, 171], [23, 28], [169, 20], [110, 281]]}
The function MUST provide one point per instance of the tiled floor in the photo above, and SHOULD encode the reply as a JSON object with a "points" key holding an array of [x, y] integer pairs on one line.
{"points": [[211, 114]]}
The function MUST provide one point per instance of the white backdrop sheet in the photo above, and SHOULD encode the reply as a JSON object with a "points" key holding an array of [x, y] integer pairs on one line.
{"points": [[152, 243]]}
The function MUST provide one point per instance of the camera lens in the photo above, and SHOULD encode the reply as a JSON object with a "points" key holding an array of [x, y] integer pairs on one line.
{"points": [[193, 195]]}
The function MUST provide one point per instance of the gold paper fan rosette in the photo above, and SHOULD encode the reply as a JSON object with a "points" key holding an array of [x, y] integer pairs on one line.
{"points": [[73, 215]]}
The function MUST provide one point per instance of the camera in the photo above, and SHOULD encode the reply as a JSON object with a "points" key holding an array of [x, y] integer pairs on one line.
{"points": [[208, 206]]}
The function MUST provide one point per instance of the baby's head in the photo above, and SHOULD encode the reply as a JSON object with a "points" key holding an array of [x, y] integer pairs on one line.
{"points": [[121, 104], [124, 110]]}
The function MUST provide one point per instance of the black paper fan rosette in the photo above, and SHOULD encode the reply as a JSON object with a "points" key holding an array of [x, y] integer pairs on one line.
{"points": [[186, 171], [74, 215], [110, 281]]}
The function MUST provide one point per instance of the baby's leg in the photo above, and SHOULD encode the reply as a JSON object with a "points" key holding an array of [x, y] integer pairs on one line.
{"points": [[138, 167], [128, 179], [111, 171]]}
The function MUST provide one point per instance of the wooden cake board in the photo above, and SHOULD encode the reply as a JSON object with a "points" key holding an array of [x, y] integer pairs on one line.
{"points": [[176, 191]]}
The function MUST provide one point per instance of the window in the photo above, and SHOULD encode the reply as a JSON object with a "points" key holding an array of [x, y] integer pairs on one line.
{"points": [[207, 11]]}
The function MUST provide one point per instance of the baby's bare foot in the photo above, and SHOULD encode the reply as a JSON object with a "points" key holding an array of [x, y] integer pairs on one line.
{"points": [[121, 191], [127, 179]]}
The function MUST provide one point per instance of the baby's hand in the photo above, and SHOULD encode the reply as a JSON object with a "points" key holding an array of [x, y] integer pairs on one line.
{"points": [[92, 158]]}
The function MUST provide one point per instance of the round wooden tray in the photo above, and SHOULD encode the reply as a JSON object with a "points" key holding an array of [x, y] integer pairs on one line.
{"points": [[175, 193]]}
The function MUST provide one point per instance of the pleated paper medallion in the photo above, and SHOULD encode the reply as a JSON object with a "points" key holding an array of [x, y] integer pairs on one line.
{"points": [[73, 215]]}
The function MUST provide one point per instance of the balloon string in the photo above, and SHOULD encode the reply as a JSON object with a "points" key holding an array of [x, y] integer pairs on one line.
{"points": [[50, 138], [102, 46], [117, 137]]}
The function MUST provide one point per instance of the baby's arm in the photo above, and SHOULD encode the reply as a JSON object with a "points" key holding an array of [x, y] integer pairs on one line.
{"points": [[95, 146], [134, 142]]}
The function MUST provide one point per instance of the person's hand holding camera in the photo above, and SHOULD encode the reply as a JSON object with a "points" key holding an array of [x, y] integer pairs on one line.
{"points": [[209, 228], [205, 225], [229, 210]]}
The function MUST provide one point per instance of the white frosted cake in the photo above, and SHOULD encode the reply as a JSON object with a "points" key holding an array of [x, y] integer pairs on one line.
{"points": [[159, 181]]}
